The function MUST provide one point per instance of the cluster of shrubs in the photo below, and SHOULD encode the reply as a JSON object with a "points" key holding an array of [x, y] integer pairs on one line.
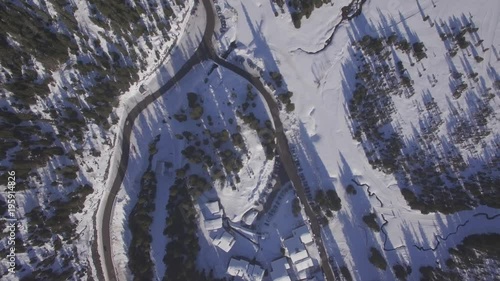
{"points": [[443, 183], [328, 201], [469, 260], [457, 36], [42, 224], [195, 106], [181, 229], [265, 133], [286, 99], [230, 163], [377, 259], [301, 8], [377, 45], [296, 207], [458, 192], [371, 221], [346, 273], [401, 272], [140, 220], [277, 78], [35, 38], [193, 154]]}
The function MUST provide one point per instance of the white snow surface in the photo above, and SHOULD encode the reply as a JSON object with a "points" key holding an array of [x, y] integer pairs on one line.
{"points": [[93, 169], [216, 93], [190, 33], [319, 127]]}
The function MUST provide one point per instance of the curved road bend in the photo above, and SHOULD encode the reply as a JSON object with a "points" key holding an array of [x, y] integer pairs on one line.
{"points": [[284, 152], [206, 51], [199, 56], [286, 158]]}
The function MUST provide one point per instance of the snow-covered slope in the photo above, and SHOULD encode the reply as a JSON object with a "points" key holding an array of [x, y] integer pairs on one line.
{"points": [[65, 67], [395, 109], [321, 128]]}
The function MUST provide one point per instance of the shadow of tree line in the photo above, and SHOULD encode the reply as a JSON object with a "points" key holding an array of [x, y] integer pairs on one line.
{"points": [[431, 169]]}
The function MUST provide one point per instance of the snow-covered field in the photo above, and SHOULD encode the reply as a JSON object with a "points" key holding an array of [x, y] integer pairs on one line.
{"points": [[216, 94], [320, 129], [93, 169], [189, 31]]}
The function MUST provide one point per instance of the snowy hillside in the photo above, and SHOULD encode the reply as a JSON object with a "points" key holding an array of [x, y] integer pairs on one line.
{"points": [[304, 140], [65, 66], [416, 123]]}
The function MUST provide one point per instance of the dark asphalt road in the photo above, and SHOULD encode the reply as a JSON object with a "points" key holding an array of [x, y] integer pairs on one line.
{"points": [[286, 158], [199, 55], [205, 51]]}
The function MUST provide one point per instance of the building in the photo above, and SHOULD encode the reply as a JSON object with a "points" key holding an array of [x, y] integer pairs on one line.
{"points": [[303, 233], [255, 272], [213, 224], [245, 270], [212, 213], [225, 241], [279, 270], [211, 210], [249, 217], [238, 268], [304, 264], [302, 268], [295, 249]]}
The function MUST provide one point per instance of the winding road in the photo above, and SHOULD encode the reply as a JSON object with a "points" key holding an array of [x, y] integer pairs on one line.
{"points": [[287, 160], [205, 51], [105, 233]]}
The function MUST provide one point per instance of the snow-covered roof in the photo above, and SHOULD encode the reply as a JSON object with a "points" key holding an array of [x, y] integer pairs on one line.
{"points": [[212, 209], [250, 216], [299, 256], [279, 270], [213, 224], [237, 267], [303, 275], [225, 241], [255, 272], [295, 249], [304, 264], [245, 270], [304, 234], [282, 278]]}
